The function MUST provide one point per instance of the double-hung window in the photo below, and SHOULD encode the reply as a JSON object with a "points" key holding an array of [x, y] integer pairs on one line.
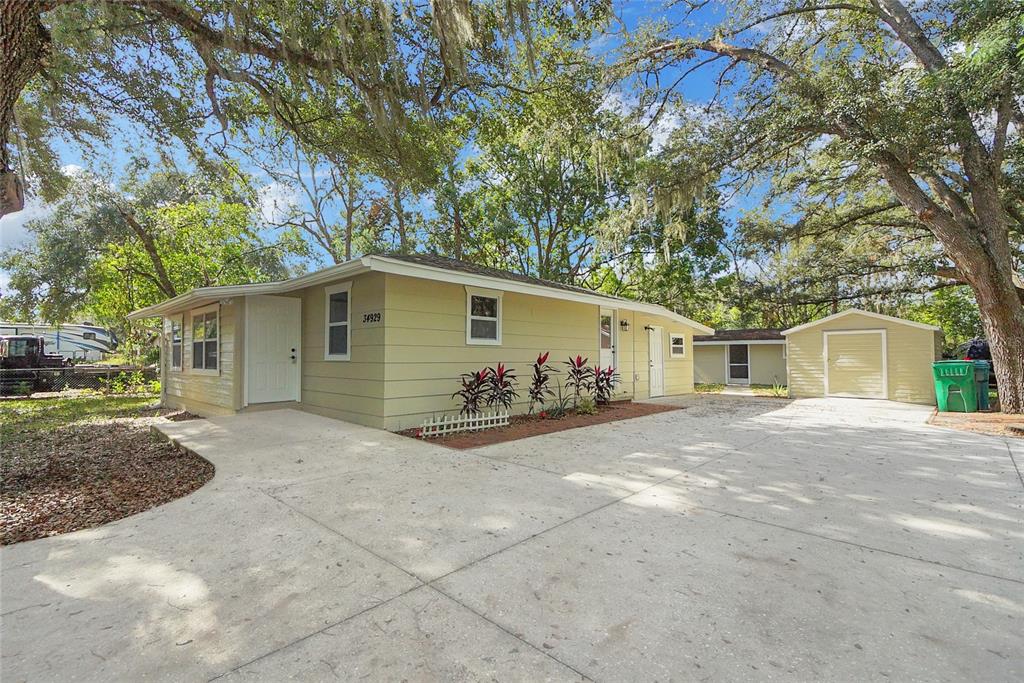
{"points": [[205, 339], [483, 316], [677, 345], [176, 343], [338, 322]]}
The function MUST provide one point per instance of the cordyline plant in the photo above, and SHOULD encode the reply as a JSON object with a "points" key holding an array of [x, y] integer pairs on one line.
{"points": [[539, 389], [579, 377], [474, 391], [501, 384], [604, 384]]}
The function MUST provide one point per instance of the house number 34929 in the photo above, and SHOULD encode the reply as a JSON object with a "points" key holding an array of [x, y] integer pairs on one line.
{"points": [[371, 317]]}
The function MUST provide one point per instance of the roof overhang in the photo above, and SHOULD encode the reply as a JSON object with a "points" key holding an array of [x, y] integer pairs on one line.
{"points": [[383, 264], [869, 314]]}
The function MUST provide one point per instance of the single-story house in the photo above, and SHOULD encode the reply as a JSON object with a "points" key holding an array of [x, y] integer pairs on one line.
{"points": [[748, 356], [865, 355], [382, 340]]}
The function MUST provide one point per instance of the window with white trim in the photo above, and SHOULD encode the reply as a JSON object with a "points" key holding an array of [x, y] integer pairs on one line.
{"points": [[338, 322], [483, 316], [677, 345], [175, 343], [205, 338]]}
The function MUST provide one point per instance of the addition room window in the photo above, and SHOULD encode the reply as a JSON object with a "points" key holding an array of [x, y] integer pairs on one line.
{"points": [[483, 316], [677, 345], [205, 339], [176, 343], [338, 322]]}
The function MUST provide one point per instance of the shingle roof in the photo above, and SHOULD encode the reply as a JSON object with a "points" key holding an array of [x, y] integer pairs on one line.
{"points": [[748, 334], [466, 267]]}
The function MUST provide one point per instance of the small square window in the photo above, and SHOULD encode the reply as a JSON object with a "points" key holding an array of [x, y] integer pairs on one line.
{"points": [[483, 316], [677, 345], [89, 336]]}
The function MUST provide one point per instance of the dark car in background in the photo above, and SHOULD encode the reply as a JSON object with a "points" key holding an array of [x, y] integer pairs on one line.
{"points": [[977, 349]]}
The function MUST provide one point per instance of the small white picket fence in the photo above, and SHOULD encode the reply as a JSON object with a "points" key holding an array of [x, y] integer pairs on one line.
{"points": [[450, 424]]}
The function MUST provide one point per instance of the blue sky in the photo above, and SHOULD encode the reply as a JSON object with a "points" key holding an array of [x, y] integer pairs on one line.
{"points": [[131, 141]]}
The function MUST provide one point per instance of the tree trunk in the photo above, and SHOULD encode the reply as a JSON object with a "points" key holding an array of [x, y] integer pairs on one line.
{"points": [[403, 243], [24, 47], [349, 216], [149, 245], [1002, 317], [457, 237]]}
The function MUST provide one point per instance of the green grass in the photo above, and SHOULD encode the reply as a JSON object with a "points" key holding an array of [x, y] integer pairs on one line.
{"points": [[47, 413], [709, 388], [770, 390]]}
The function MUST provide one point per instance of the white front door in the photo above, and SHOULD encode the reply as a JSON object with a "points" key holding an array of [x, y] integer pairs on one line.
{"points": [[606, 338], [273, 329], [657, 361]]}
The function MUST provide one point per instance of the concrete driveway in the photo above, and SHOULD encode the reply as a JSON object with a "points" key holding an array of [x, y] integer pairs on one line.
{"points": [[737, 539]]}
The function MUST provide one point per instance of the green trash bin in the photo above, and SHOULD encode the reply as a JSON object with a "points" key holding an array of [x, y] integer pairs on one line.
{"points": [[956, 390], [982, 368]]}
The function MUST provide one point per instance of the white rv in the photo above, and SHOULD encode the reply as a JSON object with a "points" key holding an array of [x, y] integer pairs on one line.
{"points": [[76, 342]]}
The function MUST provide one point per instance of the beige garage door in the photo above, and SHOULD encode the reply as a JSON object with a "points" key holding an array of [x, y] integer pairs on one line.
{"points": [[855, 364]]}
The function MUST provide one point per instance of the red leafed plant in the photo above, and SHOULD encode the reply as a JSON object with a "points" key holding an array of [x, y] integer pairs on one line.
{"points": [[539, 389], [579, 377], [501, 384], [604, 384], [474, 391]]}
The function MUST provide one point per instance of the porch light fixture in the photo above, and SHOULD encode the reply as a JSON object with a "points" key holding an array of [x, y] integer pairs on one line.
{"points": [[624, 324]]}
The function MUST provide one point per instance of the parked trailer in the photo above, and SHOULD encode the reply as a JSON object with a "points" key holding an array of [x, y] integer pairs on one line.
{"points": [[74, 342]]}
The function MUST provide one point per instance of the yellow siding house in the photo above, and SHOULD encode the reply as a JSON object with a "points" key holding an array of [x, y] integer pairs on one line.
{"points": [[864, 355], [382, 340]]}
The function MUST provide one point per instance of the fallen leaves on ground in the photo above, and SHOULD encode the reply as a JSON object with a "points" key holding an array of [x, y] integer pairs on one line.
{"points": [[85, 474]]}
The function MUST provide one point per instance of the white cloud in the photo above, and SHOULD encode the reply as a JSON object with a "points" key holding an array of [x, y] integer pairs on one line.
{"points": [[276, 201], [13, 232]]}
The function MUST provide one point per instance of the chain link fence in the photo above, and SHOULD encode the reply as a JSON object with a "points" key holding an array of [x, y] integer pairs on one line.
{"points": [[28, 381]]}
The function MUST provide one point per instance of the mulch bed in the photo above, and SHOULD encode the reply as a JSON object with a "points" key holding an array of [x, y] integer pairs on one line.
{"points": [[83, 475], [997, 424], [523, 426]]}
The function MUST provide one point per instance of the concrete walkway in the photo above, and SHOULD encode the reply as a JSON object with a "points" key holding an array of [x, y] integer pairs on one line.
{"points": [[740, 538]]}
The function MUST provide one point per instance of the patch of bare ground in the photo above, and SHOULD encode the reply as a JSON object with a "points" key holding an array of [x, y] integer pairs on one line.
{"points": [[523, 426], [79, 472], [996, 424]]}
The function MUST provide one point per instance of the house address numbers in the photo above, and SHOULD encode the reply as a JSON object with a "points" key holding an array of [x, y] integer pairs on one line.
{"points": [[373, 318]]}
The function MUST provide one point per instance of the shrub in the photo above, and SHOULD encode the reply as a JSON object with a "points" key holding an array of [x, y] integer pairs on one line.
{"points": [[473, 392], [579, 377], [125, 383], [779, 390], [586, 406], [604, 384], [539, 390], [501, 385], [559, 407]]}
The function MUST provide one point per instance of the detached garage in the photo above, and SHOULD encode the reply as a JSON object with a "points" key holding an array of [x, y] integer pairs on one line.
{"points": [[863, 355]]}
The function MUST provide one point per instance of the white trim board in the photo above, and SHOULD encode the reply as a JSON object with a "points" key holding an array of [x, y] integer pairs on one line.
{"points": [[885, 360], [857, 311]]}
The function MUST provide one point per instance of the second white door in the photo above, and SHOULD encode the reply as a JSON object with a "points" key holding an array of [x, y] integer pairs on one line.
{"points": [[657, 361]]}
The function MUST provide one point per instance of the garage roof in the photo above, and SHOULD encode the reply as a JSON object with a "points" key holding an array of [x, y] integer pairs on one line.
{"points": [[857, 311]]}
